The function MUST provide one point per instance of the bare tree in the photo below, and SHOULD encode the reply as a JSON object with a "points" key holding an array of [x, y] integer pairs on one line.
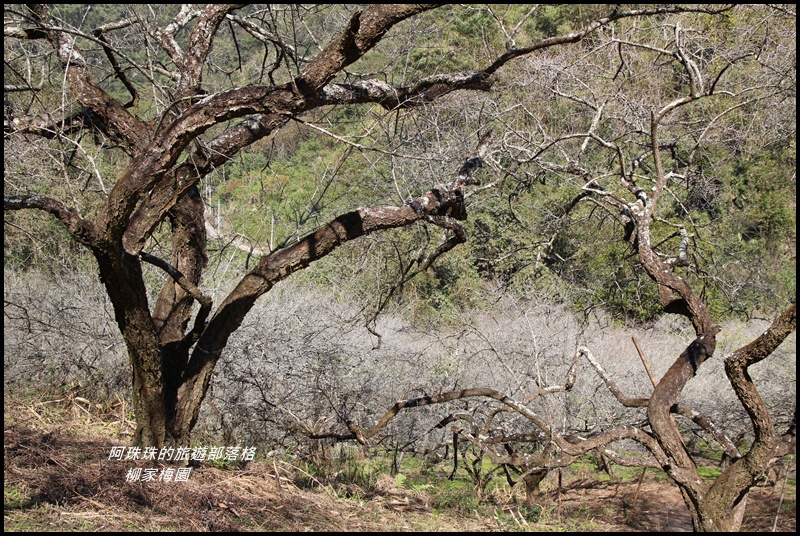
{"points": [[663, 123], [628, 155], [653, 138], [719, 505], [83, 90]]}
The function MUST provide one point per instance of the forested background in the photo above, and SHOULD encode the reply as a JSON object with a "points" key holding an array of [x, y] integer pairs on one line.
{"points": [[546, 267]]}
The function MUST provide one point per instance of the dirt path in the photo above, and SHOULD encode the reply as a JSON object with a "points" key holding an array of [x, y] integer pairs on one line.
{"points": [[659, 506]]}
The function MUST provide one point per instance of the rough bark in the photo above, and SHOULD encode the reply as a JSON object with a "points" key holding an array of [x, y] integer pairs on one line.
{"points": [[442, 206], [121, 275], [723, 508]]}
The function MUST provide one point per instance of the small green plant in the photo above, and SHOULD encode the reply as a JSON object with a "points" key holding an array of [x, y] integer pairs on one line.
{"points": [[402, 482], [458, 495], [222, 463], [709, 473], [14, 497]]}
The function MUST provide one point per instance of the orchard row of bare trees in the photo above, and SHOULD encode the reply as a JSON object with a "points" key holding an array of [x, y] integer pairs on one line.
{"points": [[507, 386]]}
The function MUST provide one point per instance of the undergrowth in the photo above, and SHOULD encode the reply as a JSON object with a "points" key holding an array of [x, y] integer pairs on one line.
{"points": [[57, 474]]}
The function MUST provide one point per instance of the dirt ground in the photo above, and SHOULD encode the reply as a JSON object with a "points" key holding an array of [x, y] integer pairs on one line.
{"points": [[57, 477]]}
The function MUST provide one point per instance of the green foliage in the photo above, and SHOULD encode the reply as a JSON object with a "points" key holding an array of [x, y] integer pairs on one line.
{"points": [[709, 474], [43, 241], [445, 290], [402, 481], [350, 472], [536, 229], [761, 189], [529, 235], [456, 494]]}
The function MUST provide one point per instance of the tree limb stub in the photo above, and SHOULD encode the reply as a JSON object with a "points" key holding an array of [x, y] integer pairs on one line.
{"points": [[178, 277]]}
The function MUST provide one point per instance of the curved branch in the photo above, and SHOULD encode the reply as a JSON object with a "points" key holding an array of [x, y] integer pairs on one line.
{"points": [[363, 32], [698, 418], [80, 229], [574, 37], [736, 366], [283, 101], [266, 37], [166, 37], [732, 485], [618, 394], [364, 434], [203, 161], [442, 205], [179, 278], [391, 98], [200, 40]]}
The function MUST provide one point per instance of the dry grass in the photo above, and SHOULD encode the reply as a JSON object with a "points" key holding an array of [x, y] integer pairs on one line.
{"points": [[57, 476]]}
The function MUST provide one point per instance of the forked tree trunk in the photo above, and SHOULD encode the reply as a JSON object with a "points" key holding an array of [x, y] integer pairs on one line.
{"points": [[122, 277], [172, 364], [532, 481]]}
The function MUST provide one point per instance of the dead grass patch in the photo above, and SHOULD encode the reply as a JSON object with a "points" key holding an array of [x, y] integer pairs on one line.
{"points": [[58, 476]]}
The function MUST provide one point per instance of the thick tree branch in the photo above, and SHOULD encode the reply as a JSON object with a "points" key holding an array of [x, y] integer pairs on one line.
{"points": [[200, 41], [443, 205], [392, 98], [431, 88], [202, 162], [736, 366], [120, 124], [363, 32], [278, 102], [729, 490], [83, 231], [698, 418]]}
